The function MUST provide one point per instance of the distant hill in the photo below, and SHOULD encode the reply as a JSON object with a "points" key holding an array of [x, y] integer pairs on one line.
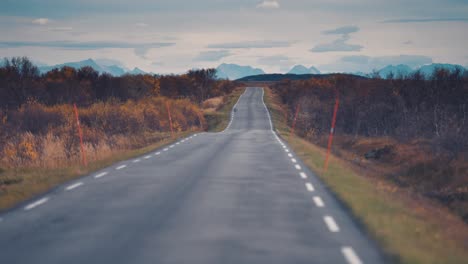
{"points": [[234, 71], [427, 70], [114, 70], [275, 77], [137, 71], [301, 69], [397, 71]]}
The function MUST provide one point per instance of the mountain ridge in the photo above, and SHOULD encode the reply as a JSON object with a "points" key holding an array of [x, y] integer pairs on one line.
{"points": [[114, 70]]}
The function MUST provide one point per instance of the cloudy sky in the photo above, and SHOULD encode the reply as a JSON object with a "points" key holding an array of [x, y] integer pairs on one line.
{"points": [[172, 36]]}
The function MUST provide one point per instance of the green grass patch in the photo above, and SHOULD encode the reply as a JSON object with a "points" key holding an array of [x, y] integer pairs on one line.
{"points": [[406, 233]]}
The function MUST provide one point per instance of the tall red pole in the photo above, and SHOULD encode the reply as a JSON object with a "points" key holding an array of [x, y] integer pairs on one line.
{"points": [[200, 120], [285, 111], [80, 133], [295, 118], [170, 118], [332, 130]]}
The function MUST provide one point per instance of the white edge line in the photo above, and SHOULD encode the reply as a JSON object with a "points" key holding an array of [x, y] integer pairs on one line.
{"points": [[36, 203], [309, 187], [231, 118], [121, 167], [350, 255], [318, 201], [73, 186], [102, 174], [331, 224]]}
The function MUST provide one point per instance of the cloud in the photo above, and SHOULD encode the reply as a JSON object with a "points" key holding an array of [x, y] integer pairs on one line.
{"points": [[109, 62], [413, 61], [82, 45], [140, 48], [337, 45], [212, 55], [425, 20], [366, 64], [157, 64], [141, 25], [251, 45], [41, 21], [357, 59], [268, 4], [61, 29], [341, 30], [274, 60]]}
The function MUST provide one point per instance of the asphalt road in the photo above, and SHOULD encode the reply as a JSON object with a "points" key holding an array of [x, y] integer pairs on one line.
{"points": [[239, 196]]}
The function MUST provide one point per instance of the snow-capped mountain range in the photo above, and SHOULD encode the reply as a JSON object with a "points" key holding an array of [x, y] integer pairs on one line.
{"points": [[234, 71], [114, 70]]}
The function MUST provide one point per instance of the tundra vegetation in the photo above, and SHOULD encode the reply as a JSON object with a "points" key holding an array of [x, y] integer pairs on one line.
{"points": [[38, 128], [409, 130]]}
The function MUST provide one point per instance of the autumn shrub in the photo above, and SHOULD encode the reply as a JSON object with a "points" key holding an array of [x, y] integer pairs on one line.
{"points": [[47, 136]]}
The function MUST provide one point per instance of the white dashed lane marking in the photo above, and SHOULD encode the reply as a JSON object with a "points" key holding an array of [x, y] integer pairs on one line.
{"points": [[136, 161], [102, 174], [121, 167], [148, 157], [157, 153], [303, 175], [350, 255], [309, 187], [166, 149], [73, 186], [318, 201], [290, 155], [36, 203], [331, 224], [297, 166], [294, 160]]}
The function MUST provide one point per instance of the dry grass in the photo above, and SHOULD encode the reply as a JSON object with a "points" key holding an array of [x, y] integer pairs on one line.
{"points": [[213, 104], [26, 182], [33, 163], [40, 147], [217, 121], [409, 228]]}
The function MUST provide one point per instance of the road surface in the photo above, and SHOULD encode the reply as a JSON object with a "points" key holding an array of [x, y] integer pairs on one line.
{"points": [[239, 196]]}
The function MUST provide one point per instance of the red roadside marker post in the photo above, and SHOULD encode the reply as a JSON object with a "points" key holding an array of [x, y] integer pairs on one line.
{"points": [[200, 120], [80, 133], [170, 118], [295, 118], [332, 130]]}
